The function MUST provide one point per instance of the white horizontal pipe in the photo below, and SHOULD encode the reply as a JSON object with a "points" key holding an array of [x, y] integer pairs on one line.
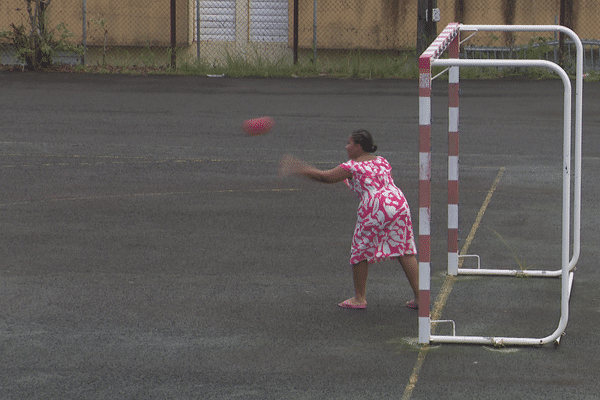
{"points": [[520, 28], [509, 272], [506, 341], [487, 340], [451, 62]]}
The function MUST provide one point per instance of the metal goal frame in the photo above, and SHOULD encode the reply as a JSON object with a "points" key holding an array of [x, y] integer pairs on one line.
{"points": [[449, 41]]}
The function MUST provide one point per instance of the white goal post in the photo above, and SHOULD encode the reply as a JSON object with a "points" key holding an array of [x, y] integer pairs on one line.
{"points": [[449, 41]]}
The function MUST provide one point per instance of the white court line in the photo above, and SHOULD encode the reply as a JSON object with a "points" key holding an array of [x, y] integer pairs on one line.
{"points": [[155, 194]]}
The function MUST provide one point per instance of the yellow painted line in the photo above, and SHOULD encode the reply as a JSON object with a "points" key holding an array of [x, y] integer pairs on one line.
{"points": [[156, 194], [442, 297], [481, 211]]}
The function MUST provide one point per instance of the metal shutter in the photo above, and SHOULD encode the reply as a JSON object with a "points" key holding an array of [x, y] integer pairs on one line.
{"points": [[217, 20], [268, 20]]}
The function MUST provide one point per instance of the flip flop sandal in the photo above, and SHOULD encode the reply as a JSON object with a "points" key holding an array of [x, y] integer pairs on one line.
{"points": [[412, 305], [347, 304]]}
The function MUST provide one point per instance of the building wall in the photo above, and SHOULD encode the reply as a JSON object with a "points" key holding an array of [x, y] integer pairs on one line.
{"points": [[342, 24], [127, 22], [368, 24]]}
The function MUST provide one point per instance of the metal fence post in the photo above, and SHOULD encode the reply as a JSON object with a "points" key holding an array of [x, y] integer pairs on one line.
{"points": [[426, 27], [296, 31], [173, 33], [84, 33], [315, 31], [566, 19], [198, 29]]}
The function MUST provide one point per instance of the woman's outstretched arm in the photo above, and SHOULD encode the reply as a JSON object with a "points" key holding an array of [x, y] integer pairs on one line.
{"points": [[291, 165]]}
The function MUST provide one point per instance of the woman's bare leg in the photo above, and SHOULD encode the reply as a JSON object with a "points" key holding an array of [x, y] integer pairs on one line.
{"points": [[360, 273], [411, 269]]}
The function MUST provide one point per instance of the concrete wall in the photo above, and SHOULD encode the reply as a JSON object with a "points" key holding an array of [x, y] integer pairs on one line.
{"points": [[128, 22], [342, 24], [368, 24]]}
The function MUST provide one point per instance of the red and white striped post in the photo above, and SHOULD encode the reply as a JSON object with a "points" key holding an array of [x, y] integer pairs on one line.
{"points": [[424, 195], [453, 160], [439, 45]]}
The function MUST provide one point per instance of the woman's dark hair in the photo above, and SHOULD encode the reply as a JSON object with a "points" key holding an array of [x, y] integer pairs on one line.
{"points": [[365, 140]]}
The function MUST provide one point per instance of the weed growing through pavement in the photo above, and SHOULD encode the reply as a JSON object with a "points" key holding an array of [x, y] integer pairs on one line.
{"points": [[521, 263]]}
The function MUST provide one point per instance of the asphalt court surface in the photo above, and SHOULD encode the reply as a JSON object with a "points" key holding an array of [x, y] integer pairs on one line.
{"points": [[150, 251]]}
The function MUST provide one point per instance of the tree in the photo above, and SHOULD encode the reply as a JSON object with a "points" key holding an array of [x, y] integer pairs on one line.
{"points": [[36, 45]]}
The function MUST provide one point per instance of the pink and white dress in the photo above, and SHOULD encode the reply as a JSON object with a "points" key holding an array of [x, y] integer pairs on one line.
{"points": [[383, 228]]}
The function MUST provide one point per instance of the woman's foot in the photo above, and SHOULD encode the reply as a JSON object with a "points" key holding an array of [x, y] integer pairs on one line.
{"points": [[353, 303], [412, 304]]}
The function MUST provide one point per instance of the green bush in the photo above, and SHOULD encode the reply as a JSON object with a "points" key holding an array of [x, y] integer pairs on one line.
{"points": [[36, 45]]}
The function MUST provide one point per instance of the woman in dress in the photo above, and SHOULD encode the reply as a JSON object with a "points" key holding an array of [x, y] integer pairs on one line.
{"points": [[383, 228]]}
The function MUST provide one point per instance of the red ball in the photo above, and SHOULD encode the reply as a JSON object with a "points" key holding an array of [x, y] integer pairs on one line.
{"points": [[258, 126]]}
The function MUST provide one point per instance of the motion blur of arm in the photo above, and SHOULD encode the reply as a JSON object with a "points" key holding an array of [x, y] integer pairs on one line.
{"points": [[291, 165]]}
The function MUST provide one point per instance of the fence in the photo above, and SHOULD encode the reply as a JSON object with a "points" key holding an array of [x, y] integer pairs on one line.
{"points": [[158, 33]]}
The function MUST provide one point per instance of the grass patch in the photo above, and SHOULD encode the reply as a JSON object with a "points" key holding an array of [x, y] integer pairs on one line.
{"points": [[341, 64], [355, 64], [523, 266]]}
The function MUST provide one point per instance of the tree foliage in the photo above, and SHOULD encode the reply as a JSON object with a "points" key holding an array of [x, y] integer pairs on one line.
{"points": [[36, 45]]}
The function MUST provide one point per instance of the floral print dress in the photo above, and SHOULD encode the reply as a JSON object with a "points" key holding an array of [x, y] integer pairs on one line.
{"points": [[383, 228]]}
